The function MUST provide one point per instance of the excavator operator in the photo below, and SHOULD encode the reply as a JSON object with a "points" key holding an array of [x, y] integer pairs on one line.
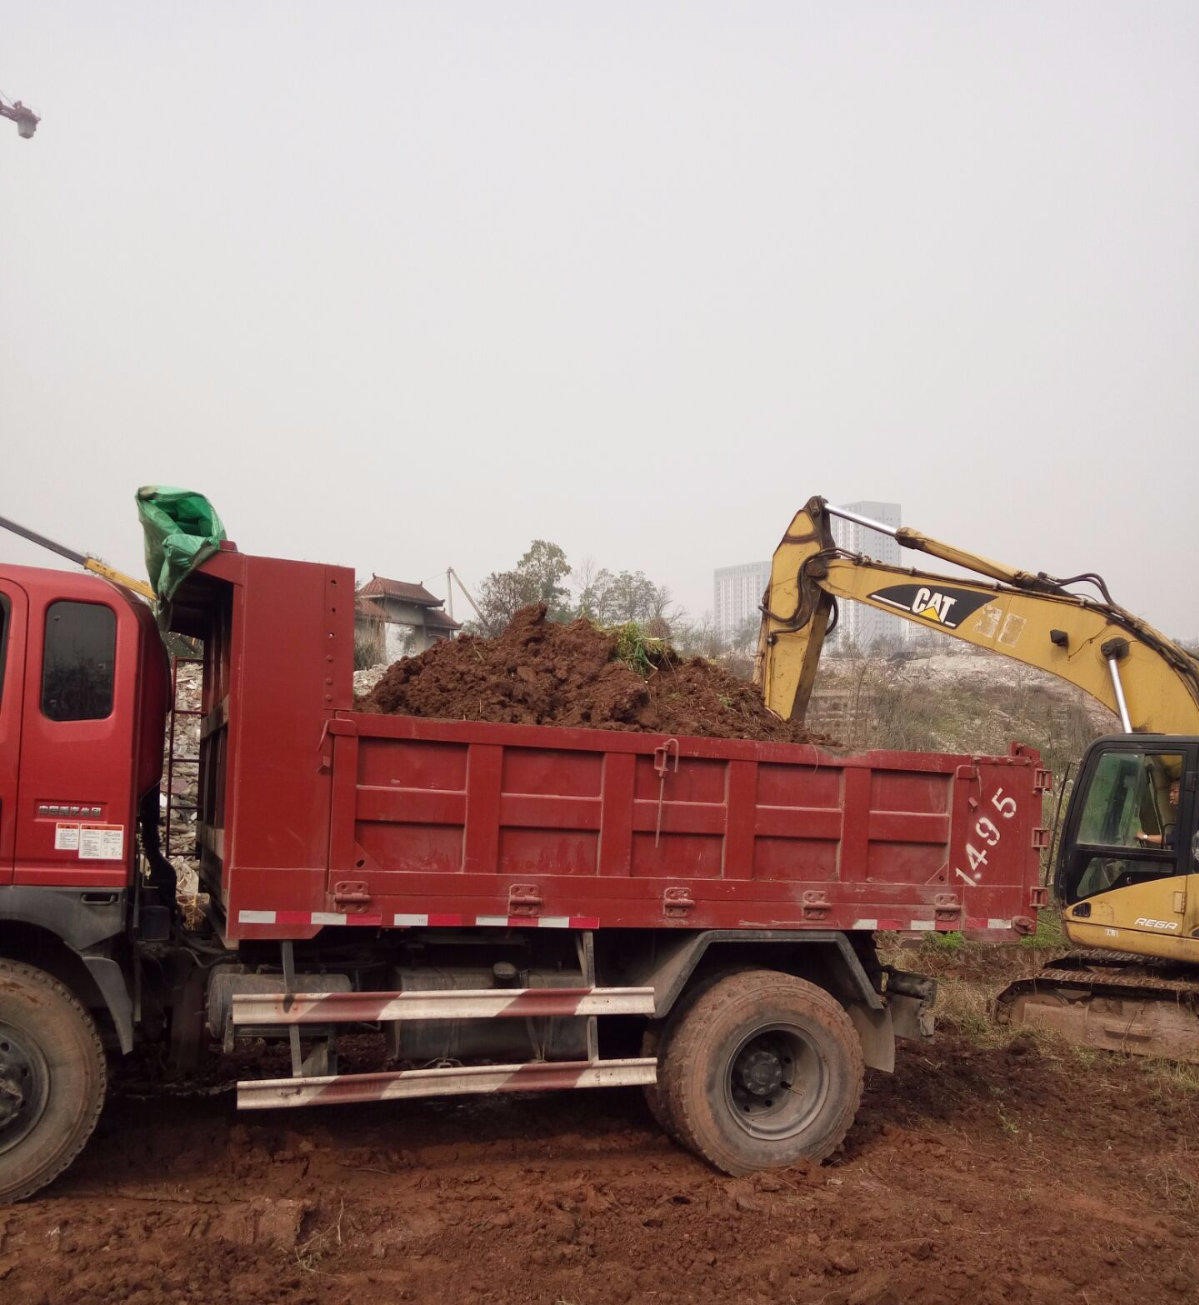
{"points": [[1165, 839]]}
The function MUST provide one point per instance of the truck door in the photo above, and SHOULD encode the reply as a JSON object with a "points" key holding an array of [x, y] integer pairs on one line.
{"points": [[13, 608], [74, 825]]}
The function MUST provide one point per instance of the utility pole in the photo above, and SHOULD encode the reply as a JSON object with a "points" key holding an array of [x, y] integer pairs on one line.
{"points": [[451, 574]]}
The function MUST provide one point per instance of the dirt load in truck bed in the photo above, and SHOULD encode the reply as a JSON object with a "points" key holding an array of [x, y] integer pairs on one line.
{"points": [[539, 672]]}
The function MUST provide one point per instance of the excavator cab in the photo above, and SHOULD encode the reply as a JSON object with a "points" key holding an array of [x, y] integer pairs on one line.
{"points": [[1127, 863]]}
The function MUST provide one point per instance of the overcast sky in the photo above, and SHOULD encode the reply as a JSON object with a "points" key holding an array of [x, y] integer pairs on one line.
{"points": [[404, 286]]}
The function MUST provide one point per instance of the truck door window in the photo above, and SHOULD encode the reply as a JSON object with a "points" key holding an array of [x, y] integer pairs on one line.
{"points": [[1131, 810], [78, 661]]}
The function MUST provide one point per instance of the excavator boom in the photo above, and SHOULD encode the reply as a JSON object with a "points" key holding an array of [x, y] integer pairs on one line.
{"points": [[1147, 680], [85, 560]]}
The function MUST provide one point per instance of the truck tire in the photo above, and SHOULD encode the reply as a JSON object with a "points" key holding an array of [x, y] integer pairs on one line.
{"points": [[657, 1037], [763, 1070], [653, 1044], [52, 1079]]}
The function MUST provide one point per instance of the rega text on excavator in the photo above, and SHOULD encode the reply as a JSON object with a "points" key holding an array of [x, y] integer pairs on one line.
{"points": [[1127, 864]]}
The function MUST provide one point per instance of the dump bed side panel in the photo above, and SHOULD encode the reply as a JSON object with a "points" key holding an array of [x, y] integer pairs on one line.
{"points": [[475, 824]]}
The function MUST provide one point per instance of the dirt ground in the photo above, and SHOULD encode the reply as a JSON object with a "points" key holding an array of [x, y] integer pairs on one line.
{"points": [[985, 1174]]}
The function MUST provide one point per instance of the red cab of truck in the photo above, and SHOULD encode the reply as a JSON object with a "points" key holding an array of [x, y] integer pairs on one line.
{"points": [[83, 697]]}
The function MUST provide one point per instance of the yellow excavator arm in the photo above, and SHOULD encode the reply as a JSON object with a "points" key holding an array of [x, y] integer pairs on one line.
{"points": [[85, 560], [1148, 681]]}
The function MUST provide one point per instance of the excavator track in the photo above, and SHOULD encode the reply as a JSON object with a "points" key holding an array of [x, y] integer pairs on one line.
{"points": [[1111, 1001]]}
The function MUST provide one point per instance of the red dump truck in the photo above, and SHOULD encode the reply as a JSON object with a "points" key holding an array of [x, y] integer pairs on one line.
{"points": [[511, 907]]}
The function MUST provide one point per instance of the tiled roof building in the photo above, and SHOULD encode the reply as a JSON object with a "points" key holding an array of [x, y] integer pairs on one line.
{"points": [[402, 618]]}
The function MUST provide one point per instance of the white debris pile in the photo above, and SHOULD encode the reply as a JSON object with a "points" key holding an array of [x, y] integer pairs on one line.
{"points": [[365, 680], [180, 790]]}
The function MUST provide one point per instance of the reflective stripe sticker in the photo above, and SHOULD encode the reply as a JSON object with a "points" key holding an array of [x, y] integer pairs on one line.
{"points": [[412, 921]]}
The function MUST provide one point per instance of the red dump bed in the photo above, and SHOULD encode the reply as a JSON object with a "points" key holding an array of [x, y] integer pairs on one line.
{"points": [[315, 815], [458, 823]]}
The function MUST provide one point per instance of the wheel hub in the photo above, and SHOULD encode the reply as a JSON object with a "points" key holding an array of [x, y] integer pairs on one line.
{"points": [[775, 1082], [24, 1084], [760, 1071], [11, 1100]]}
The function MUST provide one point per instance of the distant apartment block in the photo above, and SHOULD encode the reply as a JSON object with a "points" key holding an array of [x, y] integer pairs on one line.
{"points": [[737, 590], [737, 595], [858, 624]]}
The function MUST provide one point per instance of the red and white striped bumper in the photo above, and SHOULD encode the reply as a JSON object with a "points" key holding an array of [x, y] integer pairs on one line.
{"points": [[345, 1089]]}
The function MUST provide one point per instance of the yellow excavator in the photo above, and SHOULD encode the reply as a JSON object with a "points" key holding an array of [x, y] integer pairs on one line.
{"points": [[1126, 872]]}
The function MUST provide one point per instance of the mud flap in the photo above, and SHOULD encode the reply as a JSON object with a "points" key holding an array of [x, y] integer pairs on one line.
{"points": [[911, 998], [876, 1033], [110, 980]]}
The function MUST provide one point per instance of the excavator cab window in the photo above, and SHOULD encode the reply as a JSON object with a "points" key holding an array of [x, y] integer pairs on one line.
{"points": [[1127, 826]]}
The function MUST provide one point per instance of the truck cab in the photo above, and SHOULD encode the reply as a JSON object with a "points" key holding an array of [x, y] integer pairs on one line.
{"points": [[83, 697]]}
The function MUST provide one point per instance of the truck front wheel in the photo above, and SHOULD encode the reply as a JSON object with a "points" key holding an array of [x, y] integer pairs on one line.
{"points": [[52, 1079], [763, 1070]]}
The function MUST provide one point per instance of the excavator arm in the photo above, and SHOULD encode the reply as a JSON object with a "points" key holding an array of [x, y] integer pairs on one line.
{"points": [[1131, 903], [85, 560], [1148, 681]]}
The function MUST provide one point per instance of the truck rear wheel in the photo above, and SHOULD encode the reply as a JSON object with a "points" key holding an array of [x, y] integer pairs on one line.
{"points": [[657, 1039], [52, 1079], [764, 1069]]}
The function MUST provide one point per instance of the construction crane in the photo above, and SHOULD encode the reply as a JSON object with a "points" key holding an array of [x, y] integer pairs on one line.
{"points": [[24, 117]]}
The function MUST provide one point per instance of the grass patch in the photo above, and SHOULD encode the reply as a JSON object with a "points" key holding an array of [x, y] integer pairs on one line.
{"points": [[965, 1006], [1172, 1078], [636, 649], [1050, 935], [1172, 1180], [943, 944]]}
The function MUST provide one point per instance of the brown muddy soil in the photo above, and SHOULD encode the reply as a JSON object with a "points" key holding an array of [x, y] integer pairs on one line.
{"points": [[538, 672], [987, 1175]]}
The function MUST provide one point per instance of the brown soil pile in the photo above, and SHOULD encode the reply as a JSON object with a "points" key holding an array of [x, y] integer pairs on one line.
{"points": [[538, 672]]}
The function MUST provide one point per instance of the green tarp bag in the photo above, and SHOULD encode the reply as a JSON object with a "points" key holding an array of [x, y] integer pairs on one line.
{"points": [[181, 529]]}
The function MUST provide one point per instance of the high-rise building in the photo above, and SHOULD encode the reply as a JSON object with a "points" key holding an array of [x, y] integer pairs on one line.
{"points": [[737, 594], [738, 589], [863, 626]]}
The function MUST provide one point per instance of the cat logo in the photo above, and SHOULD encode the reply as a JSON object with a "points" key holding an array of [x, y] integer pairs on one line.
{"points": [[947, 607]]}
